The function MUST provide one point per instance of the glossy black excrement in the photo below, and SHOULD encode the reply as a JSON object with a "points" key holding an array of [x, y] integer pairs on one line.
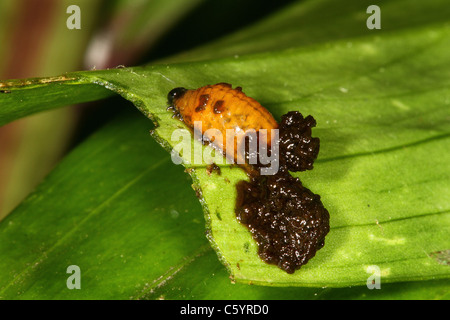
{"points": [[298, 148], [287, 220]]}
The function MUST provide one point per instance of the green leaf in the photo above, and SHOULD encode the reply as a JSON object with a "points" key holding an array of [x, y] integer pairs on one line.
{"points": [[382, 107], [114, 219], [119, 221], [41, 94], [313, 22]]}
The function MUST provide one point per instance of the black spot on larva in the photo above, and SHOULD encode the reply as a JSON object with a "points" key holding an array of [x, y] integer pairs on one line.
{"points": [[218, 106], [203, 101]]}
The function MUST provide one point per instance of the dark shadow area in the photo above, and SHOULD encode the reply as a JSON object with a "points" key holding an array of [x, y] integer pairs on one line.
{"points": [[210, 21], [94, 115]]}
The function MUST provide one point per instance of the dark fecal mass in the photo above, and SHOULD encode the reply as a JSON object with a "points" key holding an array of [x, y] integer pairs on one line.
{"points": [[297, 147], [287, 220]]}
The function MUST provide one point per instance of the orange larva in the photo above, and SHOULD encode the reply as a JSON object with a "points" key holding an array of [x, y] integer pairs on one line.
{"points": [[281, 232], [221, 107]]}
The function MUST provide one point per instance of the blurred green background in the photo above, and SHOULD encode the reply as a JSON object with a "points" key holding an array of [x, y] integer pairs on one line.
{"points": [[35, 42]]}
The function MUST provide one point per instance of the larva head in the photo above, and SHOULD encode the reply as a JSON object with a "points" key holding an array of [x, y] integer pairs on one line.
{"points": [[175, 94]]}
